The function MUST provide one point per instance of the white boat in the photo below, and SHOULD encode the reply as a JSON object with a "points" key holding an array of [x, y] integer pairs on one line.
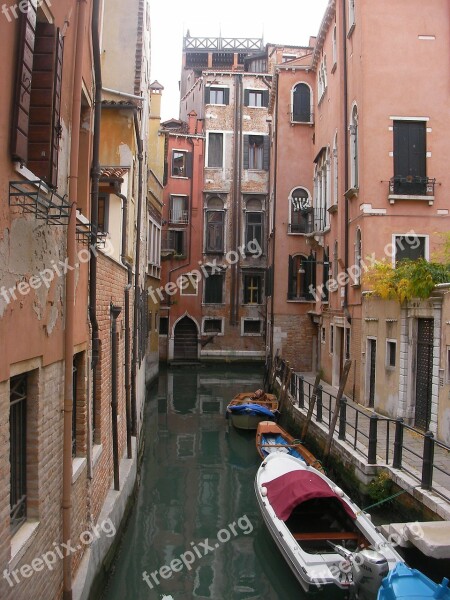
{"points": [[325, 538]]}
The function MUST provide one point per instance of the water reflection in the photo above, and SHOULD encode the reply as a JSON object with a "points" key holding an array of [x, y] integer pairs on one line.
{"points": [[197, 485]]}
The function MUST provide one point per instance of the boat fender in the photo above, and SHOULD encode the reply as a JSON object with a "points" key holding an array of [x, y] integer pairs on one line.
{"points": [[338, 492], [263, 490]]}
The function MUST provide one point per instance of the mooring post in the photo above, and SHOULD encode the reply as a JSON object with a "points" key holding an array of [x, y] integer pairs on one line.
{"points": [[301, 391], [342, 418], [319, 404]]}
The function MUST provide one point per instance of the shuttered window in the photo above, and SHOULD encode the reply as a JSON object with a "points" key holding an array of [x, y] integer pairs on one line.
{"points": [[410, 157], [301, 103], [256, 152], [36, 120], [256, 98], [215, 150]]}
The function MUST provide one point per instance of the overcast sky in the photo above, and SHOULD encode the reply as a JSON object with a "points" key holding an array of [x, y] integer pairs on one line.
{"points": [[277, 21]]}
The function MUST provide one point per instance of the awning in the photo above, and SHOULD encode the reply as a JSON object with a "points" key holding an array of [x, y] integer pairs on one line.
{"points": [[288, 491]]}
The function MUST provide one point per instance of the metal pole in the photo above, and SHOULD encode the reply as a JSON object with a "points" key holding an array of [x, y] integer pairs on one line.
{"points": [[398, 444], [373, 434], [319, 404], [343, 418], [427, 463]]}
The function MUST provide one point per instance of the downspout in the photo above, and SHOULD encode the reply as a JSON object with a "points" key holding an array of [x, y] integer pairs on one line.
{"points": [[239, 199], [115, 312], [127, 289], [70, 299], [235, 235], [346, 145], [137, 294], [95, 178], [275, 179]]}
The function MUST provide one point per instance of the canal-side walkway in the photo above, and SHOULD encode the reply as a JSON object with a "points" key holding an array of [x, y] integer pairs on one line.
{"points": [[371, 440]]}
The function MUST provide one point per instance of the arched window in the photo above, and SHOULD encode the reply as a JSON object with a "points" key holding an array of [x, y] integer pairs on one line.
{"points": [[215, 221], [302, 277], [354, 141], [300, 211], [358, 257], [301, 103]]}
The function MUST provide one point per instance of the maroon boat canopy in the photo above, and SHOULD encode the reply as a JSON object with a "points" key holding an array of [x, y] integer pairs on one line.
{"points": [[288, 491]]}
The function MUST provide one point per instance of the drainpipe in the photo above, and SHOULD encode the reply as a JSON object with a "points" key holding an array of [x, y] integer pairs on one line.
{"points": [[115, 312], [127, 289], [234, 289], [346, 146], [70, 299], [95, 178], [275, 179], [137, 294]]}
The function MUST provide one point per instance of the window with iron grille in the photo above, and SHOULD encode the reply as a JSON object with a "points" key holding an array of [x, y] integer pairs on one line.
{"points": [[213, 326], [410, 247], [251, 327], [253, 287], [18, 451]]}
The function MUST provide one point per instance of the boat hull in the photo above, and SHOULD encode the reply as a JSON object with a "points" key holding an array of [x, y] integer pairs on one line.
{"points": [[247, 421]]}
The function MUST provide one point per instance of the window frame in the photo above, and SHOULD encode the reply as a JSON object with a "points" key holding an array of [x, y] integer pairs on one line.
{"points": [[310, 121], [259, 277], [18, 449], [303, 280], [210, 276], [208, 154], [307, 213], [222, 324], [245, 320], [193, 277], [425, 237], [388, 365]]}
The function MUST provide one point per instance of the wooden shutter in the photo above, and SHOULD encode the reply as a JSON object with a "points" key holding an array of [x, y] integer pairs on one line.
{"points": [[265, 98], [266, 158], [21, 114], [301, 110], [410, 155], [188, 164], [246, 97], [207, 95], [246, 145], [291, 278], [226, 96], [45, 103]]}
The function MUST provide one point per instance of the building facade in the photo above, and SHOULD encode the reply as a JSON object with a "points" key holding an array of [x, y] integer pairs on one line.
{"points": [[73, 307], [371, 184]]}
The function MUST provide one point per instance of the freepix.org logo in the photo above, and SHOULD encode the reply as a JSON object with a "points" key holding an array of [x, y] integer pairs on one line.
{"points": [[14, 10]]}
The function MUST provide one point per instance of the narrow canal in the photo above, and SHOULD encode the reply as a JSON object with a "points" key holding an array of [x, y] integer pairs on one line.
{"points": [[197, 484]]}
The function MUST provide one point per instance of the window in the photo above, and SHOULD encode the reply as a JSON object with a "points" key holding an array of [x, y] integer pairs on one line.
{"points": [[351, 16], [301, 104], [256, 98], [181, 163], [287, 57], [103, 212], [215, 226], [322, 81], [253, 231], [326, 275], [301, 212], [331, 339], [178, 212], [302, 277], [189, 284], [176, 241], [36, 125], [358, 258], [217, 95], [215, 150], [410, 247], [163, 325], [154, 244], [213, 326], [335, 265], [323, 335], [18, 451], [213, 287], [354, 142], [256, 152], [391, 353], [410, 168], [322, 190], [253, 287], [251, 327]]}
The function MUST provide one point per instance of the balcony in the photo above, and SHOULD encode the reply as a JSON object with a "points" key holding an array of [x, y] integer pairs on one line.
{"points": [[411, 187], [178, 217]]}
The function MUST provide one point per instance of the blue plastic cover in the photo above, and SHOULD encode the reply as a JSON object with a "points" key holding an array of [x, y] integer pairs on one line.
{"points": [[251, 409]]}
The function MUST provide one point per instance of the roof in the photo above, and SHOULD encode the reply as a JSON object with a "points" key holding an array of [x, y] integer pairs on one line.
{"points": [[113, 172], [291, 489]]}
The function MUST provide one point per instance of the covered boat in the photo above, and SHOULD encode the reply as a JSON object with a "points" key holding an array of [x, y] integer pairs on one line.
{"points": [[403, 582], [270, 437], [248, 409], [325, 538]]}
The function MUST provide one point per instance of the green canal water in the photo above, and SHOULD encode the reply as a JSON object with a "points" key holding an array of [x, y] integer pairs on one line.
{"points": [[196, 501]]}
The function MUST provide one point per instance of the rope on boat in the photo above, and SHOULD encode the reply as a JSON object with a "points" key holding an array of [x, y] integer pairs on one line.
{"points": [[380, 502]]}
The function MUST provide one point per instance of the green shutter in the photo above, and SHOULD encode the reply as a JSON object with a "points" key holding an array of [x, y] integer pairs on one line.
{"points": [[246, 148], [266, 98], [290, 278], [246, 97], [188, 164], [207, 90], [266, 158], [226, 96]]}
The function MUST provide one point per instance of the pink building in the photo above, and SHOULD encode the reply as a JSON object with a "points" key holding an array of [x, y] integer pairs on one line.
{"points": [[359, 171]]}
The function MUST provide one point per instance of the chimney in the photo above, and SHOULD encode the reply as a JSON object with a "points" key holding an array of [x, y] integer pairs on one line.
{"points": [[192, 124]]}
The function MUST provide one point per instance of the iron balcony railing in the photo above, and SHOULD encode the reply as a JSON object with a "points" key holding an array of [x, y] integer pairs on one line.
{"points": [[223, 44], [181, 217], [412, 185]]}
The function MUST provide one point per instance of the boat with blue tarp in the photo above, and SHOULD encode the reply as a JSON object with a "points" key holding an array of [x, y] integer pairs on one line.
{"points": [[247, 409]]}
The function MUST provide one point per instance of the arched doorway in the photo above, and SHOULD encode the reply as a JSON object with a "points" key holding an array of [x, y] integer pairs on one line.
{"points": [[185, 340]]}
